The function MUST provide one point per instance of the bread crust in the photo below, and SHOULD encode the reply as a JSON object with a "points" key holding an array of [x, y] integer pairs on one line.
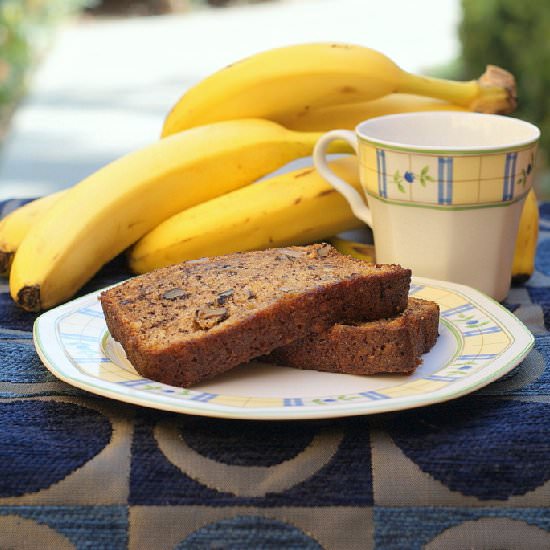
{"points": [[177, 354], [376, 347]]}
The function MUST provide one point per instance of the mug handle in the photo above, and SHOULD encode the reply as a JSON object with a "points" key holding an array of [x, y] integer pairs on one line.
{"points": [[355, 200]]}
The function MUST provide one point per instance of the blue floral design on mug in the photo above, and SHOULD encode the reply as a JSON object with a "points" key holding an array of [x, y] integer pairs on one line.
{"points": [[423, 177], [409, 176]]}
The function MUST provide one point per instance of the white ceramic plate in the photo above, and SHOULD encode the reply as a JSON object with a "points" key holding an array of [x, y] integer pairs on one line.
{"points": [[479, 341]]}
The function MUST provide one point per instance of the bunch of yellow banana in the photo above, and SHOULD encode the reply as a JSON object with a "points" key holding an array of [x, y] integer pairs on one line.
{"points": [[15, 226], [288, 82], [349, 115], [102, 215], [189, 195], [294, 208]]}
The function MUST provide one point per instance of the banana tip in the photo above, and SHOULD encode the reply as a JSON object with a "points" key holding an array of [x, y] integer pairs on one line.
{"points": [[520, 278], [28, 298]]}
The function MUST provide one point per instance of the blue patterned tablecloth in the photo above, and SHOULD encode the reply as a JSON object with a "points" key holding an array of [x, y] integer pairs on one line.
{"points": [[80, 471]]}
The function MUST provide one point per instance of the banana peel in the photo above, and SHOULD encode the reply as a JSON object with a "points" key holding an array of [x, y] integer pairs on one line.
{"points": [[292, 208], [284, 83], [526, 243], [361, 251], [111, 209]]}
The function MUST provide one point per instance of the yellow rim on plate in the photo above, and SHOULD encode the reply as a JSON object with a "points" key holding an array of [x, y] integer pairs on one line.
{"points": [[479, 342]]}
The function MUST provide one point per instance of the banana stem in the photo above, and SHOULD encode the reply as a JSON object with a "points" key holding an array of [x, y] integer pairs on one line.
{"points": [[493, 92]]}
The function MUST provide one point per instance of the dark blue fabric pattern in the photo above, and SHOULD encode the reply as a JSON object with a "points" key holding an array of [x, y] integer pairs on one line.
{"points": [[543, 257], [248, 443], [20, 364], [87, 527], [490, 449], [345, 480], [42, 442], [485, 456], [412, 528], [245, 532]]}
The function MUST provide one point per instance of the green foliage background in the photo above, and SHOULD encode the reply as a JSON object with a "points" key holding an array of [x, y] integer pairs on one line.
{"points": [[515, 35]]}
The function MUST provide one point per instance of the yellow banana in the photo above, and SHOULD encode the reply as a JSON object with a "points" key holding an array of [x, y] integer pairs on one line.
{"points": [[15, 225], [293, 208], [283, 82], [108, 211], [349, 115], [361, 251], [526, 243]]}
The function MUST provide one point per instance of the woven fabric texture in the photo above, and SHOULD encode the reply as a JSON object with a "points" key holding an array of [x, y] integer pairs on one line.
{"points": [[80, 471]]}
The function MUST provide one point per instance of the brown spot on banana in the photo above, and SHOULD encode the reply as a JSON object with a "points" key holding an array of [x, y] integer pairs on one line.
{"points": [[348, 90], [304, 173], [5, 262], [325, 192], [298, 200]]}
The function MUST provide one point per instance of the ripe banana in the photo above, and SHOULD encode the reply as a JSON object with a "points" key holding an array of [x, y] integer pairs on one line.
{"points": [[108, 211], [282, 83], [361, 251], [349, 115], [526, 243], [15, 225], [293, 208]]}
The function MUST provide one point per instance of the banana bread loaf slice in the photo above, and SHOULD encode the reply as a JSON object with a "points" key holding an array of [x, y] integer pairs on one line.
{"points": [[386, 346], [188, 322]]}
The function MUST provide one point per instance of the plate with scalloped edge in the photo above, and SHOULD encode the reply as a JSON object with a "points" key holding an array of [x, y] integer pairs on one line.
{"points": [[479, 341]]}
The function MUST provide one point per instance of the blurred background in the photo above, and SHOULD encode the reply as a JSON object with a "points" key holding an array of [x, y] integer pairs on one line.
{"points": [[85, 81]]}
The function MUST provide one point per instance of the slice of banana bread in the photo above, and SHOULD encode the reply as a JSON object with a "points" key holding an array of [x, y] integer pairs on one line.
{"points": [[186, 323], [386, 346]]}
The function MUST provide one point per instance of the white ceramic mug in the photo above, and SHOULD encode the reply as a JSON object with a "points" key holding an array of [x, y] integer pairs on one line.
{"points": [[445, 191]]}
